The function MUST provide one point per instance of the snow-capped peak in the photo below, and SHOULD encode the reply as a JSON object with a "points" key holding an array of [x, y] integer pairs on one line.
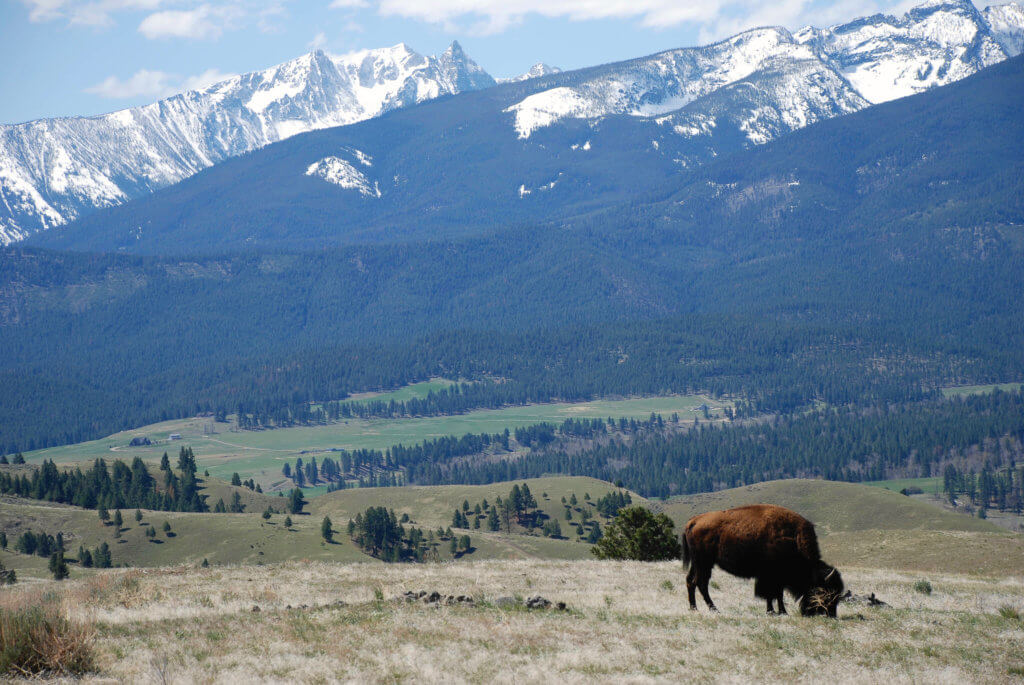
{"points": [[1006, 22], [536, 71], [53, 170]]}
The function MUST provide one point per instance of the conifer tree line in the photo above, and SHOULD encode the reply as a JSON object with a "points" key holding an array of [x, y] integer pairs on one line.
{"points": [[380, 533], [990, 488], [847, 444], [520, 510], [46, 545], [661, 459], [117, 486]]}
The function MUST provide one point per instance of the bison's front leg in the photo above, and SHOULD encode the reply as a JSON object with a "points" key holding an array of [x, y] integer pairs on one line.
{"points": [[782, 607]]}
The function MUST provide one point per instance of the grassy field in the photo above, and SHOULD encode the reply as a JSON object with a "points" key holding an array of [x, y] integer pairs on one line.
{"points": [[414, 391], [626, 622], [931, 486], [261, 454], [434, 505], [964, 390], [323, 618]]}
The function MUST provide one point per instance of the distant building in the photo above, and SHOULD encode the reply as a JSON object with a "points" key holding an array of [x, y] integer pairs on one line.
{"points": [[174, 436]]}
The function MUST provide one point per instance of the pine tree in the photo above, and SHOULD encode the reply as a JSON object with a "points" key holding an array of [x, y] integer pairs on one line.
{"points": [[287, 522], [167, 526], [206, 563], [165, 463], [138, 516], [101, 557], [236, 479], [151, 532], [118, 519], [104, 514], [325, 529], [297, 501], [267, 513], [58, 567]]}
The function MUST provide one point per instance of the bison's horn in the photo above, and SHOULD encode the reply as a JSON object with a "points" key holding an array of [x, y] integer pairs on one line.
{"points": [[830, 574]]}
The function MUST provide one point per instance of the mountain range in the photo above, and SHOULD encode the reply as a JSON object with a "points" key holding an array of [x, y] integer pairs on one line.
{"points": [[53, 170], [545, 149], [745, 90]]}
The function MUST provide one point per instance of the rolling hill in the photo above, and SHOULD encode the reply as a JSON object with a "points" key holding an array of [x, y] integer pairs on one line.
{"points": [[859, 526], [864, 526]]}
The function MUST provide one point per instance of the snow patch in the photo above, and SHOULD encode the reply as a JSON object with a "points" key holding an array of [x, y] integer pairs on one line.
{"points": [[524, 191], [341, 173], [545, 108]]}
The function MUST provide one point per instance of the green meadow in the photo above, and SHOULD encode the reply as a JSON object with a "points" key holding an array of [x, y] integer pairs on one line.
{"points": [[965, 390], [223, 449]]}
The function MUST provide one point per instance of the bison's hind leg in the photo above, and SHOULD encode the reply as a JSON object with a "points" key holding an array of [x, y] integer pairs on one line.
{"points": [[698, 578], [691, 586]]}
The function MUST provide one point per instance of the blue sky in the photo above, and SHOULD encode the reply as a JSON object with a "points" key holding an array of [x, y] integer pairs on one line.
{"points": [[80, 57]]}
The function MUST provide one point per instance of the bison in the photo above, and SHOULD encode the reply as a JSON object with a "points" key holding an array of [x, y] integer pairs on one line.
{"points": [[773, 545]]}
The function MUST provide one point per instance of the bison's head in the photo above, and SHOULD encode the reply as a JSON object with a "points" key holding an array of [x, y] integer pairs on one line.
{"points": [[825, 593]]}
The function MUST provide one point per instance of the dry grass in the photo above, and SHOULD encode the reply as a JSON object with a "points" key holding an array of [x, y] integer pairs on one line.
{"points": [[37, 637], [627, 622]]}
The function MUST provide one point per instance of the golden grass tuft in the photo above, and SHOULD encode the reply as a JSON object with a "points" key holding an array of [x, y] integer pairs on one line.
{"points": [[37, 637]]}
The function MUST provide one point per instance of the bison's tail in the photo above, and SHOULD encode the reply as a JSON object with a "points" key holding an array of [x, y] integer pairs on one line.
{"points": [[686, 551]]}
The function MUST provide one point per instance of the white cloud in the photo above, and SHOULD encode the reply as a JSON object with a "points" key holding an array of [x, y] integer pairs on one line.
{"points": [[716, 17], [44, 10], [319, 40], [269, 18], [203, 22], [142, 82], [200, 81], [85, 12], [155, 84]]}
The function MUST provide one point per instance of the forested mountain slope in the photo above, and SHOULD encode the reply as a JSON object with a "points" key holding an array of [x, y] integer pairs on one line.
{"points": [[871, 257]]}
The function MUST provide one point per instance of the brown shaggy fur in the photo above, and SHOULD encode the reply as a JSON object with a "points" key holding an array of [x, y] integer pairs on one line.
{"points": [[775, 546]]}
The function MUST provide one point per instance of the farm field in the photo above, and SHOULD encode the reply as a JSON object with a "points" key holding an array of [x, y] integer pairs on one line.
{"points": [[315, 621], [261, 454]]}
